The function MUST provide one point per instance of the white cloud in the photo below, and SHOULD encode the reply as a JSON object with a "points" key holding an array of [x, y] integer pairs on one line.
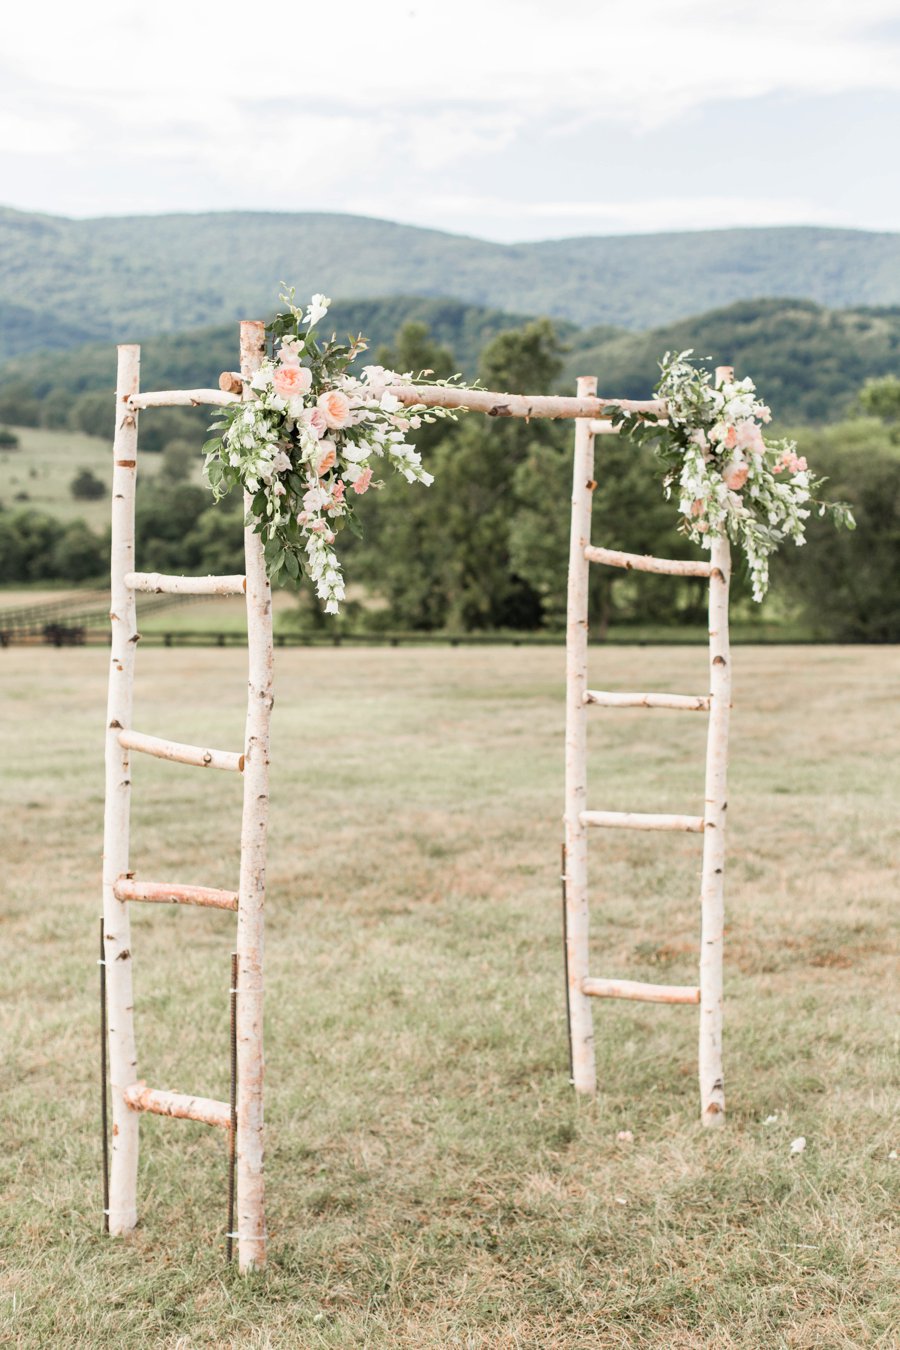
{"points": [[317, 107]]}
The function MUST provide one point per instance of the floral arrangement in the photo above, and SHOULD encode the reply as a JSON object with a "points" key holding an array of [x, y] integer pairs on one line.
{"points": [[309, 442], [728, 477]]}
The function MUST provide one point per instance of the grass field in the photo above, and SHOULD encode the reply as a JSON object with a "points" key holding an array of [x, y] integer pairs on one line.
{"points": [[46, 462], [432, 1180]]}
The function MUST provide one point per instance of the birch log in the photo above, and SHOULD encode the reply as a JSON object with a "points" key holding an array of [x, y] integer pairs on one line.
{"points": [[526, 406], [116, 926], [581, 1024], [712, 888], [251, 1223]]}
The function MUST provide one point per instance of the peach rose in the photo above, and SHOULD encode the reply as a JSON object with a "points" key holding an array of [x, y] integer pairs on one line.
{"points": [[329, 455], [290, 381], [735, 476], [335, 408]]}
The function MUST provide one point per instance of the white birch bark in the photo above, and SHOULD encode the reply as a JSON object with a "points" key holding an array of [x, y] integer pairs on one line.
{"points": [[178, 1105], [160, 583], [643, 562], [171, 893], [116, 926], [179, 753], [642, 820], [605, 698], [642, 993], [516, 405], [581, 1026], [712, 889], [184, 398], [251, 1224]]}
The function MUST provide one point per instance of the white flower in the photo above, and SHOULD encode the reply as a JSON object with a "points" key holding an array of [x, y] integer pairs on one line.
{"points": [[798, 1145], [316, 309], [281, 463], [315, 498]]}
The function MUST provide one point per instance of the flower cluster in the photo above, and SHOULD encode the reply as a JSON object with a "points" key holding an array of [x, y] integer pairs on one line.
{"points": [[307, 441], [728, 478]]}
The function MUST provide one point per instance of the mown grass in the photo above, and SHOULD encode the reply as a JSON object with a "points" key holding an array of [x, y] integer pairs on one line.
{"points": [[39, 474], [432, 1181]]}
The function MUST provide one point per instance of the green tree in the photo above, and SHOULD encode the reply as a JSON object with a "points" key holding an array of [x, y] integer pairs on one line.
{"points": [[19, 407], [178, 458], [85, 486], [79, 554], [94, 414], [848, 581]]}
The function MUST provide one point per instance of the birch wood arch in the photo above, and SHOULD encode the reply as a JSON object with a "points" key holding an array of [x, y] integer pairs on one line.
{"points": [[242, 1119]]}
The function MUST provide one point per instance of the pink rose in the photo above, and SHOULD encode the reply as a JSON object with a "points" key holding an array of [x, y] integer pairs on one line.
{"points": [[749, 437], [329, 455], [287, 352], [730, 438], [290, 381], [337, 492], [314, 421], [335, 408], [362, 483], [735, 476]]}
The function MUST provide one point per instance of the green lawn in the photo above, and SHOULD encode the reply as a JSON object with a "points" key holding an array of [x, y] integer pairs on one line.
{"points": [[45, 464], [432, 1180]]}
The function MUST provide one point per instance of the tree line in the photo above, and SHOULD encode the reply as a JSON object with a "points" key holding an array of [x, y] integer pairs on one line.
{"points": [[485, 547]]}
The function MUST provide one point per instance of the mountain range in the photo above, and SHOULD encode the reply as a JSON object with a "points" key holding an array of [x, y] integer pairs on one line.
{"points": [[67, 282]]}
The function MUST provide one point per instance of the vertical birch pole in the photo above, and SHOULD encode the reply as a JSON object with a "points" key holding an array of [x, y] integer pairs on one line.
{"points": [[116, 925], [581, 1023], [251, 1221], [712, 889]]}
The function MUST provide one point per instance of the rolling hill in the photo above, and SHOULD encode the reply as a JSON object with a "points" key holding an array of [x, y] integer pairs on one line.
{"points": [[808, 360], [66, 282]]}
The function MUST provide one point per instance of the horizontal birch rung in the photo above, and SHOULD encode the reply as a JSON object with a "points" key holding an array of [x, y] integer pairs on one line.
{"points": [[527, 406], [182, 398], [643, 562], [641, 992], [605, 698], [159, 583], [170, 893], [196, 755], [178, 1105], [639, 820]]}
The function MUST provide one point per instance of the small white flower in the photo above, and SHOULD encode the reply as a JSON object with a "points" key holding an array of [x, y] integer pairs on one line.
{"points": [[798, 1145], [316, 309], [770, 1120]]}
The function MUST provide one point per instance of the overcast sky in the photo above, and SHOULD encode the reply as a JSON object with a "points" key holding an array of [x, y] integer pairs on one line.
{"points": [[508, 119]]}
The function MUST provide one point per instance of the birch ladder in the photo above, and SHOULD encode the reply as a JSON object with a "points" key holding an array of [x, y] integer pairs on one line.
{"points": [[242, 1119], [581, 987]]}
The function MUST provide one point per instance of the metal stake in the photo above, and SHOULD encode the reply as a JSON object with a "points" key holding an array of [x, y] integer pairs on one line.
{"points": [[565, 926], [232, 1133], [103, 1093]]}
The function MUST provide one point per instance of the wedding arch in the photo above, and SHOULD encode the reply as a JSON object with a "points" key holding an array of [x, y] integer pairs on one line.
{"points": [[241, 1118]]}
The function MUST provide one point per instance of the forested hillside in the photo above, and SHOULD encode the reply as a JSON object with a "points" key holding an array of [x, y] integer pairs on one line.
{"points": [[64, 282], [809, 360]]}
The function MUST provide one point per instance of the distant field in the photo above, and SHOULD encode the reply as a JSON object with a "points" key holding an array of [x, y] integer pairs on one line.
{"points": [[432, 1180], [47, 461]]}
